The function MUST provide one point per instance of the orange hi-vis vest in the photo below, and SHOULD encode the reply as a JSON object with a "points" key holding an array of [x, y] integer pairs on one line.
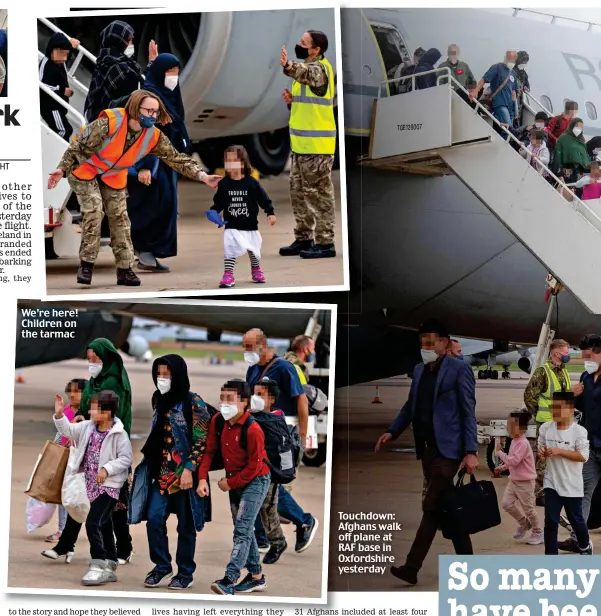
{"points": [[111, 161]]}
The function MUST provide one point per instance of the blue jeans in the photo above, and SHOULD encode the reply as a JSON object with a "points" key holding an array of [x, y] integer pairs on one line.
{"points": [[62, 518], [159, 508], [245, 504], [591, 475], [573, 508], [505, 116], [288, 508]]}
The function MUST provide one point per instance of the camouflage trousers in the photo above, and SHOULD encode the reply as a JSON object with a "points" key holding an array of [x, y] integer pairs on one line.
{"points": [[270, 517], [541, 465], [312, 197], [96, 200]]}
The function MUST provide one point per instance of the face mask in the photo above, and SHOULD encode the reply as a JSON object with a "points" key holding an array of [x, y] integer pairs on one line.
{"points": [[565, 358], [429, 356], [540, 125], [510, 65], [577, 131], [521, 67], [591, 366], [302, 53], [233, 166], [95, 369], [129, 51], [146, 121], [257, 403], [459, 356], [252, 359], [163, 385], [171, 81], [228, 411], [310, 358]]}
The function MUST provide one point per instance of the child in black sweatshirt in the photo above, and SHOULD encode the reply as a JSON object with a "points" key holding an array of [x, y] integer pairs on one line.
{"points": [[239, 196]]}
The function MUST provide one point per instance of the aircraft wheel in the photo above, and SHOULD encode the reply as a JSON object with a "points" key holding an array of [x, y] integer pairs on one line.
{"points": [[492, 460], [480, 374], [269, 152], [315, 457], [494, 375]]}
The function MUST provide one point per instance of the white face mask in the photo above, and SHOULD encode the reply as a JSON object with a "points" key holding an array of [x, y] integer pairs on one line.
{"points": [[591, 366], [251, 358], [129, 51], [163, 385], [510, 65], [521, 66], [577, 131], [95, 369], [228, 411], [429, 356], [171, 81], [540, 125], [257, 403]]}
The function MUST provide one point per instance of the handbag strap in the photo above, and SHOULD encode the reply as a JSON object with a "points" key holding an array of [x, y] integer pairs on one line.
{"points": [[502, 85], [267, 367], [461, 476]]}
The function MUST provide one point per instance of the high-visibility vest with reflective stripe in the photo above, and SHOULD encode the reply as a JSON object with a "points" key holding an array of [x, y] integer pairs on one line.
{"points": [[312, 125], [544, 413], [301, 374], [111, 162]]}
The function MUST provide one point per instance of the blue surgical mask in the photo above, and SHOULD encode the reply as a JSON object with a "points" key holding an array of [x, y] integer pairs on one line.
{"points": [[146, 121], [310, 358], [565, 358], [459, 357]]}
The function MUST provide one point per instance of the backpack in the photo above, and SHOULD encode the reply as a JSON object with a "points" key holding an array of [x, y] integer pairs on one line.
{"points": [[318, 401]]}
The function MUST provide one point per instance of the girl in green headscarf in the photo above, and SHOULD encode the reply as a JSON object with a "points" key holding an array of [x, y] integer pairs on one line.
{"points": [[570, 151], [107, 372]]}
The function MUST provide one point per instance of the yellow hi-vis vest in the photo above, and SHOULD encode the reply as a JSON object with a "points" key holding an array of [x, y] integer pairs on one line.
{"points": [[544, 413], [301, 374], [312, 125]]}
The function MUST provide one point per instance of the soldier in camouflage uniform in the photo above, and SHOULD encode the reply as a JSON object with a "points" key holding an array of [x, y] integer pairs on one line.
{"points": [[302, 350], [311, 187], [97, 199]]}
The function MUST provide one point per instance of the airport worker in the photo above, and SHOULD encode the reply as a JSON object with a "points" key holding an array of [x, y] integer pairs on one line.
{"points": [[442, 394], [301, 350], [313, 133], [96, 164], [173, 451], [588, 401], [546, 380], [460, 71]]}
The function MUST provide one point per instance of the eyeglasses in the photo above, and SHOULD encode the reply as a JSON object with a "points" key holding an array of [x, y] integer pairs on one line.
{"points": [[153, 113]]}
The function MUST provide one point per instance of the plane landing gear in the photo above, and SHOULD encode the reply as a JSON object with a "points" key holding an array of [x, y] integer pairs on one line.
{"points": [[488, 374], [506, 374]]}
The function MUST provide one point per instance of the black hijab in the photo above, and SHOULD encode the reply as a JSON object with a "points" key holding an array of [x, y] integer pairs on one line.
{"points": [[180, 388]]}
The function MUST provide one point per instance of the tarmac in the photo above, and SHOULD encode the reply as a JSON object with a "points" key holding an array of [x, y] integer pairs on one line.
{"points": [[391, 481], [198, 265], [295, 575]]}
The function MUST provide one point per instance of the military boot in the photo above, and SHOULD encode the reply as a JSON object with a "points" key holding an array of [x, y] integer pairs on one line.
{"points": [[84, 273], [127, 278]]}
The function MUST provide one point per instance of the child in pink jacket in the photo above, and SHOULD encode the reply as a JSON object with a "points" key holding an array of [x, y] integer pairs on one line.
{"points": [[519, 500], [74, 389]]}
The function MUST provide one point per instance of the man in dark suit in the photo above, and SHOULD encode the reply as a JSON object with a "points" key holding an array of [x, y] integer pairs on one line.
{"points": [[441, 407]]}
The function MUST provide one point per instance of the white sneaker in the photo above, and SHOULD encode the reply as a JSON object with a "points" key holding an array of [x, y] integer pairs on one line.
{"points": [[126, 561], [536, 538]]}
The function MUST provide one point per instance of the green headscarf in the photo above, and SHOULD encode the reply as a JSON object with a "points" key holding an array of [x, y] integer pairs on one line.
{"points": [[571, 149], [112, 377]]}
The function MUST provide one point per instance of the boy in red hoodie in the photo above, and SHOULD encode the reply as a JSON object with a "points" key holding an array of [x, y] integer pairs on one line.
{"points": [[240, 439]]}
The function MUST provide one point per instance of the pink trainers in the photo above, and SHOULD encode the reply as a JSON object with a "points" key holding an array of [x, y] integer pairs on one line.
{"points": [[536, 537], [257, 274], [522, 529], [227, 282]]}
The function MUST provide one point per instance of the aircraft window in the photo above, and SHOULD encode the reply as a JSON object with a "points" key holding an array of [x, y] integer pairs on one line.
{"points": [[591, 110], [546, 102], [391, 44]]}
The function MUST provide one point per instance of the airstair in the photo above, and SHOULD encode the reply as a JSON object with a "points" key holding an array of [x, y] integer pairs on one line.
{"points": [[61, 229], [435, 132]]}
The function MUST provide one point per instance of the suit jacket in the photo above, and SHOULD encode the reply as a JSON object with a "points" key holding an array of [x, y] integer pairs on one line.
{"points": [[454, 413]]}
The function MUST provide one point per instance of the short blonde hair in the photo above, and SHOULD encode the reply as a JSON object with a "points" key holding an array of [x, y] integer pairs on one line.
{"points": [[558, 343], [132, 107]]}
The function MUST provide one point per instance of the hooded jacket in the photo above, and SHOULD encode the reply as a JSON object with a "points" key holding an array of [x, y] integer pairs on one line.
{"points": [[522, 75], [54, 75], [115, 75], [426, 63], [570, 150]]}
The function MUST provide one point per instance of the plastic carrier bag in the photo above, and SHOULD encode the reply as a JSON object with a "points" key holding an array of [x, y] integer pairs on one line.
{"points": [[74, 495], [37, 514]]}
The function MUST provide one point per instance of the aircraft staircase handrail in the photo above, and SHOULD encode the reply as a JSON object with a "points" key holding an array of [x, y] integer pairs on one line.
{"points": [[576, 204], [554, 18], [81, 51], [538, 103], [69, 108]]}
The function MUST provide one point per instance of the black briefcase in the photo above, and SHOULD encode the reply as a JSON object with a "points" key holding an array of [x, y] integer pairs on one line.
{"points": [[469, 508]]}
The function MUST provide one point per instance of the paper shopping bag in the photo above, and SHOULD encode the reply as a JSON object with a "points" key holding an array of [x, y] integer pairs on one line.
{"points": [[46, 481]]}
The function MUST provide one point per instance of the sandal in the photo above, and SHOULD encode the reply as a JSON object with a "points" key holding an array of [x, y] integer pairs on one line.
{"points": [[54, 538]]}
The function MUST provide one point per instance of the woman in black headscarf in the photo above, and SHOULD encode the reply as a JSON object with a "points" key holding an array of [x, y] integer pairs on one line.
{"points": [[523, 83], [152, 185], [172, 452]]}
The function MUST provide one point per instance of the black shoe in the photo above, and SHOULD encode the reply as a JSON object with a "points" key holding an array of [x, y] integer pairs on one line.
{"points": [[569, 545], [127, 278], [405, 573], [154, 578], [295, 248], [84, 273], [319, 251], [274, 553], [224, 586], [179, 583], [249, 584], [305, 535]]}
